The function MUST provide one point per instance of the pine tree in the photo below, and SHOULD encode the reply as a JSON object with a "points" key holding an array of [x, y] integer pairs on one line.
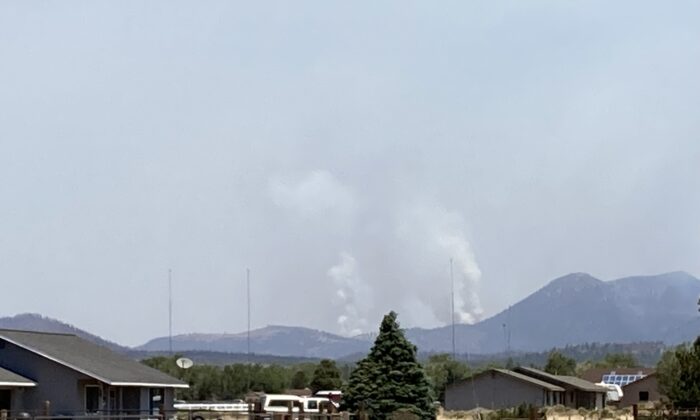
{"points": [[679, 375], [299, 380], [326, 376], [390, 378], [558, 364]]}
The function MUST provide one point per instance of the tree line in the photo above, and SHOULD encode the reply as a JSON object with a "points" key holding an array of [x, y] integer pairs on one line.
{"points": [[209, 382]]}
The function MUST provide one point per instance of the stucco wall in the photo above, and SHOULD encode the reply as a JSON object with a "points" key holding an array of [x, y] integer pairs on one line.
{"points": [[493, 390]]}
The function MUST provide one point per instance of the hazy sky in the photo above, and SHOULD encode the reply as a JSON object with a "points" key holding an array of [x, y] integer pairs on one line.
{"points": [[344, 151]]}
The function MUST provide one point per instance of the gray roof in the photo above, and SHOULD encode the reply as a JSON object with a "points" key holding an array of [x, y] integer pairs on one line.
{"points": [[90, 359], [11, 379], [572, 381], [521, 377]]}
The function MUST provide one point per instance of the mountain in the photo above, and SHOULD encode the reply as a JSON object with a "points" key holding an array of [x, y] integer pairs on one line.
{"points": [[274, 339], [579, 308], [36, 322], [571, 310]]}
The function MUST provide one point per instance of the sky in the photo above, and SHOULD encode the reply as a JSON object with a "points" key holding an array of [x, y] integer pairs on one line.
{"points": [[344, 152]]}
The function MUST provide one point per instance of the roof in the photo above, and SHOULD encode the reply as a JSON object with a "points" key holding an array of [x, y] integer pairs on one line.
{"points": [[90, 359], [570, 381], [596, 374], [520, 377], [638, 381], [8, 378]]}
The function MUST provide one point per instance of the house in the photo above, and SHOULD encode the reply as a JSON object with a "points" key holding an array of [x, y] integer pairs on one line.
{"points": [[641, 391], [76, 376], [501, 388], [579, 393]]}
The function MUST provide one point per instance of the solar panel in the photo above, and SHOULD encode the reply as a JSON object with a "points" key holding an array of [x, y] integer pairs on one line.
{"points": [[621, 380]]}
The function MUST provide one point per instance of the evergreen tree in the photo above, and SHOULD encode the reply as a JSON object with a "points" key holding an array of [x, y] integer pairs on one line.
{"points": [[390, 378], [679, 375], [326, 376], [618, 360], [299, 380], [442, 370], [558, 364]]}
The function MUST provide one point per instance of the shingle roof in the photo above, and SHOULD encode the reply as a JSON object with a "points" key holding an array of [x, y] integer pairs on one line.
{"points": [[90, 359], [11, 379], [534, 381], [571, 381]]}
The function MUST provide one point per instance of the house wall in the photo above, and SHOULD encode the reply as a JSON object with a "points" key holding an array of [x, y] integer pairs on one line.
{"points": [[494, 390], [55, 382], [630, 392]]}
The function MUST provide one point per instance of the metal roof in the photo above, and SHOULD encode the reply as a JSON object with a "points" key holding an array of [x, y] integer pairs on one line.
{"points": [[90, 359], [520, 377], [11, 379], [572, 381]]}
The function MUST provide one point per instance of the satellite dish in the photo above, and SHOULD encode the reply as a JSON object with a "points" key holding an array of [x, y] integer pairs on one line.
{"points": [[184, 363]]}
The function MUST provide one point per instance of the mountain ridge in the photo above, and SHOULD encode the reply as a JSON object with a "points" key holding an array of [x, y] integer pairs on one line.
{"points": [[573, 309]]}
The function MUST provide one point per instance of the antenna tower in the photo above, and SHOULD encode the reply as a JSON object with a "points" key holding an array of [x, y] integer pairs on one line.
{"points": [[170, 310], [452, 281], [247, 281]]}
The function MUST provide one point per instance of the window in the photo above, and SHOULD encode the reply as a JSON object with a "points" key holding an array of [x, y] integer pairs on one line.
{"points": [[92, 398], [157, 400], [313, 405], [5, 399], [643, 395]]}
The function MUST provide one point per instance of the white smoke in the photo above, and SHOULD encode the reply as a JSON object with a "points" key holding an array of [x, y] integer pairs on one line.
{"points": [[317, 194], [352, 293], [404, 254], [438, 235]]}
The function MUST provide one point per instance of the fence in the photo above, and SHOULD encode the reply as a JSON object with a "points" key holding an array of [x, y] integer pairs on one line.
{"points": [[175, 415], [41, 415]]}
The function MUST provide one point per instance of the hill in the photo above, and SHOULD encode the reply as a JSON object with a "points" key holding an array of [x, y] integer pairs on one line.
{"points": [[569, 311], [277, 340], [36, 322], [577, 309], [223, 358]]}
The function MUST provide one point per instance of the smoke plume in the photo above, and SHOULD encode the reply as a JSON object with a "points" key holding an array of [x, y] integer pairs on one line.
{"points": [[352, 294]]}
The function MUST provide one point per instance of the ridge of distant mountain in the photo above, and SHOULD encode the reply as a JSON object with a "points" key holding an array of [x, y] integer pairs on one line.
{"points": [[37, 322], [571, 310], [578, 308], [273, 339]]}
